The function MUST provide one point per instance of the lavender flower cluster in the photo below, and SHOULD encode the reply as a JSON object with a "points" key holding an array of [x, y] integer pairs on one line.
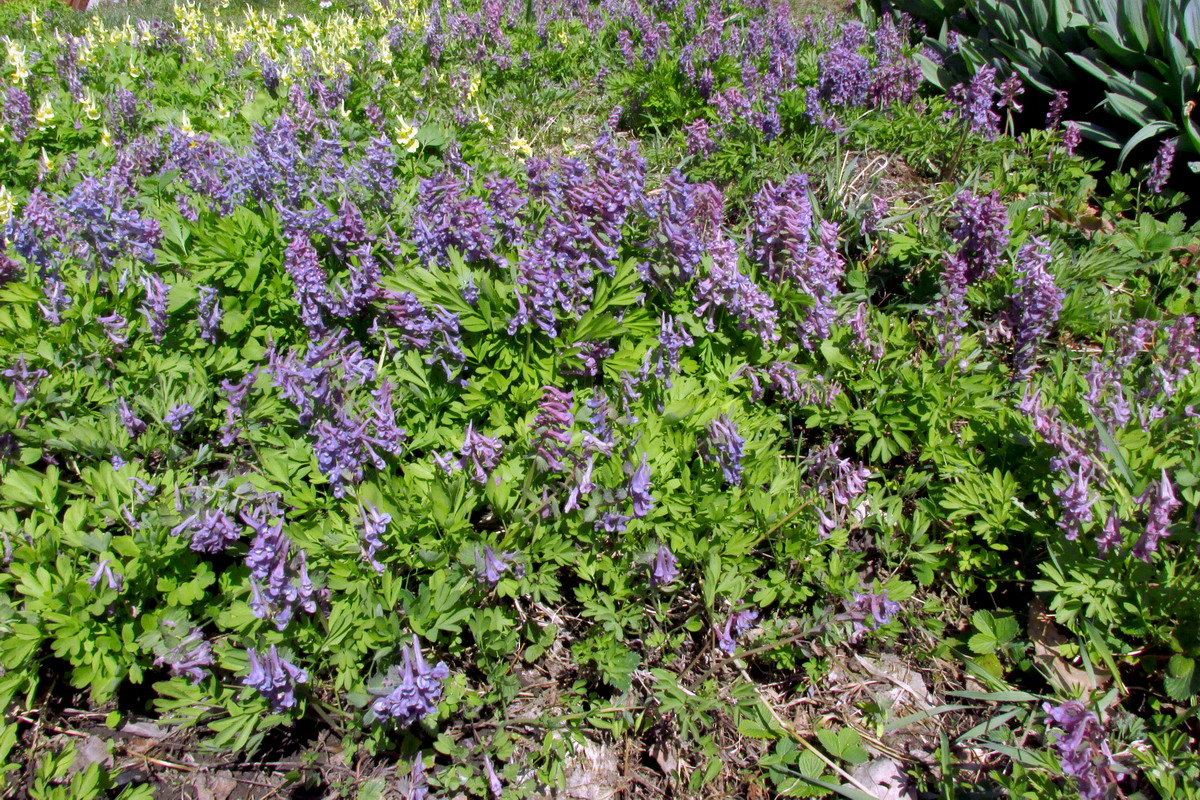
{"points": [[411, 692]]}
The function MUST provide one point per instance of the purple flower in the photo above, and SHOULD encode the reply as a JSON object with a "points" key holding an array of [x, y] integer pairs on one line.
{"points": [[844, 74], [839, 480], [311, 293], [212, 530], [728, 447], [639, 490], [24, 380], [178, 416], [279, 584], [1076, 499], [1009, 91], [209, 313], [1160, 167], [445, 217], [115, 328], [191, 657], [975, 102], [133, 425], [1036, 304], [552, 428], [736, 624], [1161, 502], [980, 225], [433, 332], [374, 522], [274, 678], [481, 453], [1082, 749], [493, 780], [1058, 104], [16, 113], [870, 606], [104, 573], [665, 567], [1110, 536], [698, 139], [411, 692], [1071, 137], [154, 309], [490, 565]]}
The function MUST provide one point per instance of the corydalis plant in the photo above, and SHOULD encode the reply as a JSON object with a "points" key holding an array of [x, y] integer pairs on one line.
{"points": [[411, 692], [274, 678], [1036, 304]]}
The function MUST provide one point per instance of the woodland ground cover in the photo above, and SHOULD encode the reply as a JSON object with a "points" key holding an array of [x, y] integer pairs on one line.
{"points": [[494, 399]]}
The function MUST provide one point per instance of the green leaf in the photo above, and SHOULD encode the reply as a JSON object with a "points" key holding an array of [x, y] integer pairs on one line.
{"points": [[1181, 681]]}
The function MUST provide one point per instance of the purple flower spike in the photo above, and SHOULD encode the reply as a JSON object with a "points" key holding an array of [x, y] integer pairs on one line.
{"points": [[104, 573], [191, 658], [975, 103], [1036, 304], [1071, 137], [24, 379], [481, 453], [1082, 749], [490, 565], [154, 309], [375, 522], [212, 530], [178, 416], [115, 328], [665, 567], [209, 313], [736, 624], [1110, 537], [723, 439], [274, 678], [1161, 501], [411, 692], [639, 490], [1057, 106], [133, 425], [552, 428], [1160, 167]]}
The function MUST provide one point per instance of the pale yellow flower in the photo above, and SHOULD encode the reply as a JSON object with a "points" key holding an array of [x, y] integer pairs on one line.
{"points": [[90, 109], [185, 123], [47, 164], [521, 146], [8, 205], [406, 136], [105, 137], [45, 113]]}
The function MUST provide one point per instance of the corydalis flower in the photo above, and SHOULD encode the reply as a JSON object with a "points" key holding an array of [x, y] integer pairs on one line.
{"points": [[639, 490], [552, 428], [1082, 749], [1071, 137], [212, 530], [24, 379], [274, 678], [839, 480], [1035, 304], [980, 225], [154, 309], [412, 692], [844, 74], [178, 416], [664, 568], [871, 607], [115, 328], [480, 454], [728, 446], [1058, 104], [209, 313], [105, 574], [134, 426], [1161, 502], [191, 658], [490, 565], [311, 293], [975, 102], [736, 624], [374, 523], [1160, 167]]}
